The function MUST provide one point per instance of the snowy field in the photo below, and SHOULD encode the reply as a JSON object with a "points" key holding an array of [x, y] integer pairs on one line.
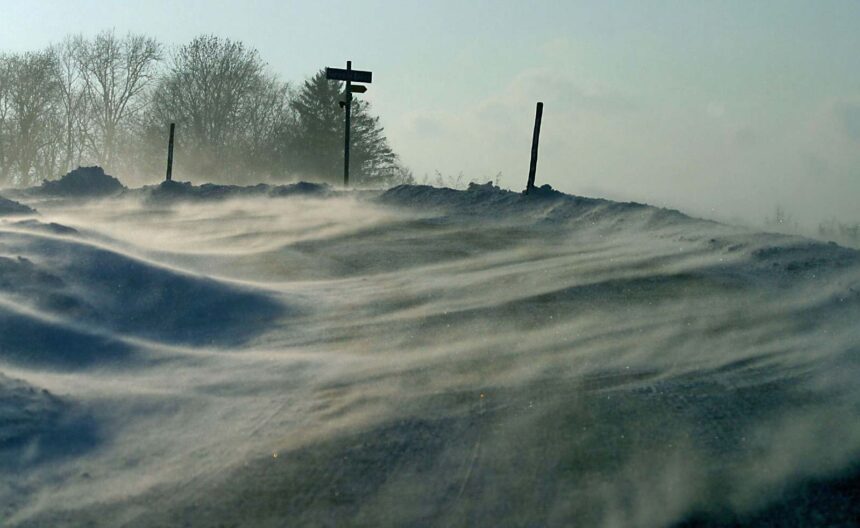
{"points": [[299, 356]]}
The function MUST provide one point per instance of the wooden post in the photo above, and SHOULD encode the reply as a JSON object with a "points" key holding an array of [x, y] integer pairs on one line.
{"points": [[535, 140], [170, 153], [346, 128]]}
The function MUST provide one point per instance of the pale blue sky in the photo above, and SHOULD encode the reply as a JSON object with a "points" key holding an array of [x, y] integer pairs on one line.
{"points": [[718, 108]]}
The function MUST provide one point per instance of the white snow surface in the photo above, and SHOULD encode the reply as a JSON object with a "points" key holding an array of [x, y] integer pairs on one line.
{"points": [[419, 357]]}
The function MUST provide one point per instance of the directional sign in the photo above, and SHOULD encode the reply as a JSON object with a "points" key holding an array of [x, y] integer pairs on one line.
{"points": [[339, 74], [350, 76]]}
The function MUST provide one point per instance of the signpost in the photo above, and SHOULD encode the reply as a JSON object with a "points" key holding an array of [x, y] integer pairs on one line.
{"points": [[350, 76]]}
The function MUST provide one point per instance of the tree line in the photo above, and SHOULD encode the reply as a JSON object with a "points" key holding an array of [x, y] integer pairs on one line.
{"points": [[108, 100]]}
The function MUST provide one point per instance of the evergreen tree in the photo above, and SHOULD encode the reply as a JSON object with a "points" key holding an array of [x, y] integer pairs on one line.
{"points": [[315, 140]]}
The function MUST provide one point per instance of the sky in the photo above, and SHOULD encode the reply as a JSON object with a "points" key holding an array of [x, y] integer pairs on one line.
{"points": [[721, 109]]}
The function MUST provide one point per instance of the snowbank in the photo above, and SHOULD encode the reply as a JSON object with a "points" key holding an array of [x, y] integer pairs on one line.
{"points": [[543, 205], [11, 207], [81, 182], [171, 191], [25, 411], [51, 227], [72, 299]]}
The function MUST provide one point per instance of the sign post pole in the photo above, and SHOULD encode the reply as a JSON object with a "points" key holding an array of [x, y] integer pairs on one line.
{"points": [[349, 76], [347, 126]]}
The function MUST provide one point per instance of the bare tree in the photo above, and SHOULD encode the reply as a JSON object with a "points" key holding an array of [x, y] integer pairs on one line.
{"points": [[225, 103], [266, 112], [6, 157], [73, 100], [117, 72], [32, 114]]}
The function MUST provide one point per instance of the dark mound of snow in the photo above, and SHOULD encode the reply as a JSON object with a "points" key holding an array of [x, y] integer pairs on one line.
{"points": [[301, 188], [76, 299], [10, 207], [794, 255], [168, 191], [542, 204], [36, 342], [24, 411], [83, 181], [176, 190], [37, 427], [52, 227], [544, 191], [479, 196]]}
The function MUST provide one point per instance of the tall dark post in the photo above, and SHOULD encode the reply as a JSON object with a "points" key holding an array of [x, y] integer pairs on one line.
{"points": [[170, 153], [346, 128], [535, 140], [349, 76]]}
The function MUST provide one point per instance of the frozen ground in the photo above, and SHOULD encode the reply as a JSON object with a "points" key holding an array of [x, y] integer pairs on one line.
{"points": [[297, 356]]}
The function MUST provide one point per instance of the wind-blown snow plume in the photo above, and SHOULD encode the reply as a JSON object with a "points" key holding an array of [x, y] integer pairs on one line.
{"points": [[420, 356]]}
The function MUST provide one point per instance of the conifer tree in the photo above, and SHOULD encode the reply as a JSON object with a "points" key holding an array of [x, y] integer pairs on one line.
{"points": [[315, 139]]}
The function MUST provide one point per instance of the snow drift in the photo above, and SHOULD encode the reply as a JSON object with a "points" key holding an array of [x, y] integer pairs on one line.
{"points": [[81, 182], [420, 356], [174, 191], [11, 207]]}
